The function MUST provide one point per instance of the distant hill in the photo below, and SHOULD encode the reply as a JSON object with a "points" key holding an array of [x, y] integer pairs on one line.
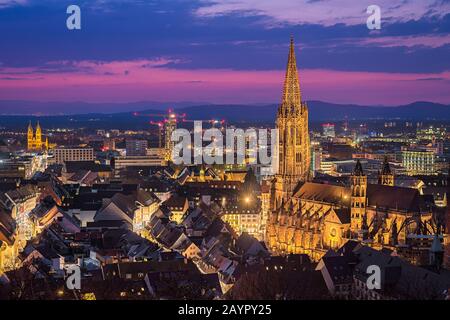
{"points": [[82, 115], [318, 110], [19, 107], [414, 111], [321, 111]]}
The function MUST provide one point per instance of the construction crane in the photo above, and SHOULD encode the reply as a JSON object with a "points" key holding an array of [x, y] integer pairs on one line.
{"points": [[213, 122], [169, 115], [166, 125], [160, 126]]}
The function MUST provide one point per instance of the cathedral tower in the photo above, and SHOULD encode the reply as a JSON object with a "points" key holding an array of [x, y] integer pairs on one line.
{"points": [[293, 134], [34, 141], [358, 201], [30, 137], [386, 177], [38, 135]]}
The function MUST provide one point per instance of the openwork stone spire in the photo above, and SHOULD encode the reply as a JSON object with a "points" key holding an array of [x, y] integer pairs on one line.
{"points": [[291, 91], [358, 170]]}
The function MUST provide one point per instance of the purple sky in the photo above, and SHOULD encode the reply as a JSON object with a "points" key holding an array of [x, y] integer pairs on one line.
{"points": [[224, 51]]}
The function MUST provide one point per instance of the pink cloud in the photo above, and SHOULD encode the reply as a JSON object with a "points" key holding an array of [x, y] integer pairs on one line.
{"points": [[139, 80], [431, 41], [8, 3]]}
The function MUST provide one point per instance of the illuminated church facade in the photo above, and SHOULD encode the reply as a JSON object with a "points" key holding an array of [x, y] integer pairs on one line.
{"points": [[311, 218], [34, 140]]}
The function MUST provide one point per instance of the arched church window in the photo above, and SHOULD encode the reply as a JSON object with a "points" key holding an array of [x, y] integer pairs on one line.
{"points": [[357, 191], [298, 137]]}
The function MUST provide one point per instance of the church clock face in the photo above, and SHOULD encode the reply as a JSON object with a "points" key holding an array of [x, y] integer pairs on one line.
{"points": [[333, 232]]}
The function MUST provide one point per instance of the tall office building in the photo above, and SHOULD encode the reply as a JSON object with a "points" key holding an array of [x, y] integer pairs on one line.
{"points": [[328, 130], [170, 125]]}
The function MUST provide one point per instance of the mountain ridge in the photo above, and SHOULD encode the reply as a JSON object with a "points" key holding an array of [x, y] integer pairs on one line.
{"points": [[318, 111]]}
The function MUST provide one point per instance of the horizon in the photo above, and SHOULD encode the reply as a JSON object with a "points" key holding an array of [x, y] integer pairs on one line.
{"points": [[129, 107]]}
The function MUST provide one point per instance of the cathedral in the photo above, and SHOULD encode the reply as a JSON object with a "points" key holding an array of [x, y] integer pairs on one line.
{"points": [[311, 218], [34, 141]]}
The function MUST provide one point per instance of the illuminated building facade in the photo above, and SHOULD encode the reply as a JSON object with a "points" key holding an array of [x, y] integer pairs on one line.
{"points": [[292, 124], [311, 218], [418, 162], [328, 130], [319, 217], [136, 147], [170, 124], [73, 154], [16, 225], [386, 176], [34, 141]]}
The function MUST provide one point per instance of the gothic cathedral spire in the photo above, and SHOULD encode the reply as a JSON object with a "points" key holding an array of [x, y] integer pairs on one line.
{"points": [[293, 133], [291, 90], [385, 175]]}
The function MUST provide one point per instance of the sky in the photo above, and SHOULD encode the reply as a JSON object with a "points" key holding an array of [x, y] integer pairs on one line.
{"points": [[224, 51]]}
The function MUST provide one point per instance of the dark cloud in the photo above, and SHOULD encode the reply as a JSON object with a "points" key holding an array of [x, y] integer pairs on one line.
{"points": [[121, 30]]}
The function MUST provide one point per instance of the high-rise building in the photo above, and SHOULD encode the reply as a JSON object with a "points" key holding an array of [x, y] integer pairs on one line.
{"points": [[136, 147], [170, 124], [34, 141], [316, 157], [292, 124], [328, 130]]}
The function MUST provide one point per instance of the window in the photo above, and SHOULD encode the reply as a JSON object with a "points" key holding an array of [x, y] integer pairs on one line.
{"points": [[298, 138], [357, 191]]}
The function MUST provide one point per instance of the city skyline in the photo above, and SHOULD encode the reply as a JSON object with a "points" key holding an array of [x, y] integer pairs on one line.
{"points": [[213, 150], [217, 52]]}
